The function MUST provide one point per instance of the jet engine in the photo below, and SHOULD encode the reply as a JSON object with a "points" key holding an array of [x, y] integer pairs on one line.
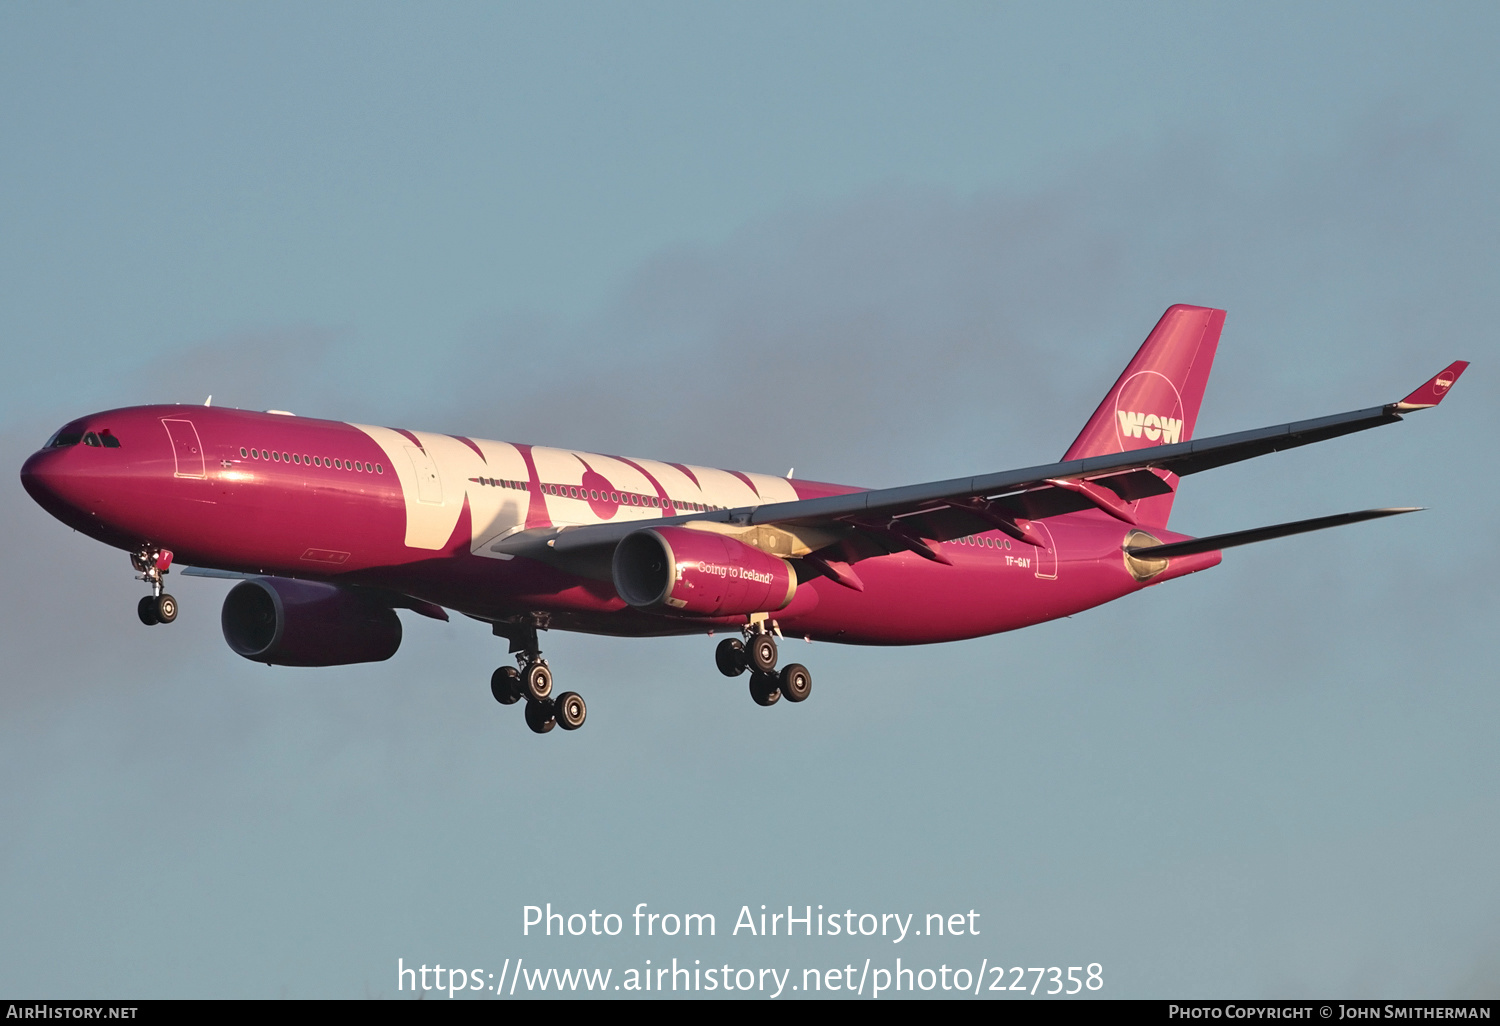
{"points": [[276, 620], [699, 573]]}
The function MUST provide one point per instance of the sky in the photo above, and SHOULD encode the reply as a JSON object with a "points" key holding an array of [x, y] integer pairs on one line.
{"points": [[879, 243]]}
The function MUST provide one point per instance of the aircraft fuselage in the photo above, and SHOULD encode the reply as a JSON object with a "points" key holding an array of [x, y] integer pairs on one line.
{"points": [[417, 513]]}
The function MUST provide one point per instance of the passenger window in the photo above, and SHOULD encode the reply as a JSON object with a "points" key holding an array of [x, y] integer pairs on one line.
{"points": [[244, 453]]}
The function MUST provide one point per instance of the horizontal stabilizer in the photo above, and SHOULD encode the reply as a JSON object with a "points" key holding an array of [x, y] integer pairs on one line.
{"points": [[1229, 541]]}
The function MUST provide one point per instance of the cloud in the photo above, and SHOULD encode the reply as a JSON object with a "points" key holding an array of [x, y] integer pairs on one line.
{"points": [[911, 329], [168, 787], [253, 368]]}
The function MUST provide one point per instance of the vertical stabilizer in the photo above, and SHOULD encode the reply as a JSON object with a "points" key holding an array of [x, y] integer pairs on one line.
{"points": [[1156, 399]]}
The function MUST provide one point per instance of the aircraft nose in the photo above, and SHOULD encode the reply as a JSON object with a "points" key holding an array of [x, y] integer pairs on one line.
{"points": [[37, 474], [45, 476]]}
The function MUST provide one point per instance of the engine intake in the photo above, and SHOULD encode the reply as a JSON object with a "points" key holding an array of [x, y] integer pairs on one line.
{"points": [[276, 620], [699, 573]]}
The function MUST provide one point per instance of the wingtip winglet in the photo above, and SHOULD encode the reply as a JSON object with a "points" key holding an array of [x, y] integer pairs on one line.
{"points": [[1431, 393]]}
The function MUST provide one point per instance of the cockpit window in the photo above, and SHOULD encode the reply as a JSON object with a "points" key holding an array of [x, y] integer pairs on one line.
{"points": [[63, 438]]}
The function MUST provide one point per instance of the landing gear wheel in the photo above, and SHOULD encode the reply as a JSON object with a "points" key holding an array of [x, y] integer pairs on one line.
{"points": [[505, 685], [539, 717], [146, 610], [569, 711], [166, 608], [796, 682], [538, 681], [765, 688], [730, 657], [760, 653]]}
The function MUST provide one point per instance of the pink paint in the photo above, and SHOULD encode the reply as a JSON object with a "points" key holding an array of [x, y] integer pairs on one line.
{"points": [[324, 501]]}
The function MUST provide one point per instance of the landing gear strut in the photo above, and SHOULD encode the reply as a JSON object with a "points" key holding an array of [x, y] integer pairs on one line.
{"points": [[531, 679], [151, 566], [757, 653]]}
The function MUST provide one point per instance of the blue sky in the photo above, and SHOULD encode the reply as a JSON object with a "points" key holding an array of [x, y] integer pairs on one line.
{"points": [[880, 243]]}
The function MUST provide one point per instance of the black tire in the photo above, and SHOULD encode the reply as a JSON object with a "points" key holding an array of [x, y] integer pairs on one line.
{"points": [[539, 717], [730, 657], [765, 688], [538, 682], [146, 610], [505, 685], [761, 653], [796, 682], [569, 711], [166, 608]]}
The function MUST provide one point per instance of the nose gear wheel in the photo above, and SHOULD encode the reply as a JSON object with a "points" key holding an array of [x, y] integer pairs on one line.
{"points": [[151, 565]]}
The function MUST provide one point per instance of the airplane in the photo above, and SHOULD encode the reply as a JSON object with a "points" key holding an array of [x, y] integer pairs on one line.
{"points": [[329, 527]]}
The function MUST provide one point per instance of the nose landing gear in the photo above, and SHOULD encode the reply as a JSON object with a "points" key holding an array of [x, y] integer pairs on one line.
{"points": [[151, 566], [757, 653], [531, 679]]}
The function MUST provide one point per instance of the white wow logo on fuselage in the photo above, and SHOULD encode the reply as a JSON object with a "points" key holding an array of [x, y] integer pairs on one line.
{"points": [[1154, 392]]}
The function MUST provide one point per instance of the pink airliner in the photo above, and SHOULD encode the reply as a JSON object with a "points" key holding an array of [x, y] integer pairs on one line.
{"points": [[330, 527]]}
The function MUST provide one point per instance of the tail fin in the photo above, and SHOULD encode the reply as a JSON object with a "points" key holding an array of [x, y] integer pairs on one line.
{"points": [[1156, 399]]}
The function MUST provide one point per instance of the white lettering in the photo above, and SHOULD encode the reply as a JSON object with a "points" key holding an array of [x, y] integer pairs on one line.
{"points": [[1166, 429]]}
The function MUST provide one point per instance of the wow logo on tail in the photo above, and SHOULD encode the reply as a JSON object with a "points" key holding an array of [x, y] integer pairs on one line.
{"points": [[1148, 391]]}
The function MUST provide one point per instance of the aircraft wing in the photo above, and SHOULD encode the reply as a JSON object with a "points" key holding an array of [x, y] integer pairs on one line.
{"points": [[885, 520]]}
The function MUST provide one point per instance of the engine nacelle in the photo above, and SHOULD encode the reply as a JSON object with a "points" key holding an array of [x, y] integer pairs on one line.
{"points": [[699, 573], [304, 623]]}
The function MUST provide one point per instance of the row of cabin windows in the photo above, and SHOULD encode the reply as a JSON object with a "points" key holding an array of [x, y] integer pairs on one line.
{"points": [[618, 498], [312, 461], [624, 498], [99, 440], [989, 543]]}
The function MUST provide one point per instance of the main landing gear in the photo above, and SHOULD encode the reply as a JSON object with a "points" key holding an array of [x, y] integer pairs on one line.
{"points": [[757, 653], [151, 566], [531, 679]]}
